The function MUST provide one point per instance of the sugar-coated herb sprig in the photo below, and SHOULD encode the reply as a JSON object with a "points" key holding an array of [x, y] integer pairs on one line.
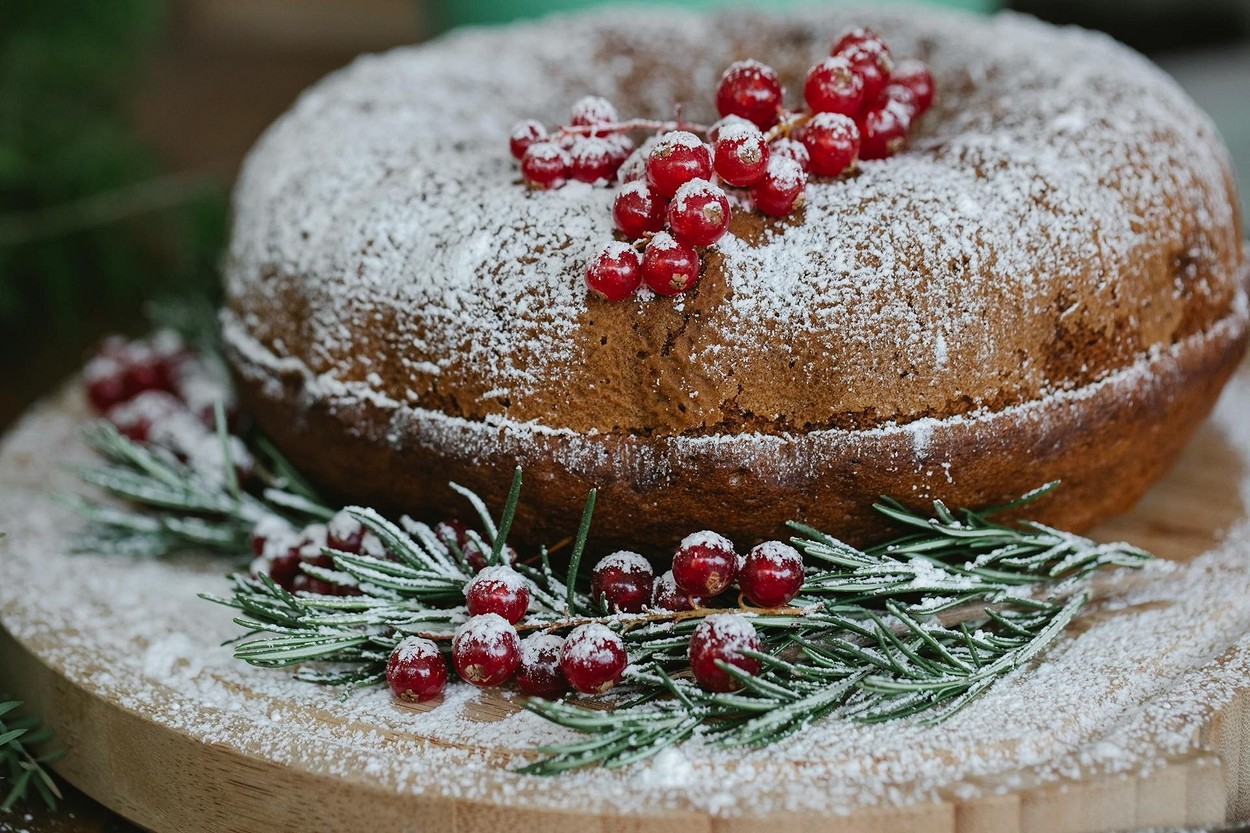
{"points": [[915, 627]]}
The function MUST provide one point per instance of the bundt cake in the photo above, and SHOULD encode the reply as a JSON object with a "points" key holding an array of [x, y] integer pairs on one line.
{"points": [[1048, 283]]}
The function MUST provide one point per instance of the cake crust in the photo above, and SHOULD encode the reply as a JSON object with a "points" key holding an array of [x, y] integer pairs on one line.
{"points": [[1106, 443]]}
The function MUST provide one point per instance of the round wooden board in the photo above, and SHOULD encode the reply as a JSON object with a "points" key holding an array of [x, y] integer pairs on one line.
{"points": [[163, 727]]}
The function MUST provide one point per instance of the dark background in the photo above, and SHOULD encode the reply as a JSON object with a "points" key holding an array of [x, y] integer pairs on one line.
{"points": [[123, 122]]}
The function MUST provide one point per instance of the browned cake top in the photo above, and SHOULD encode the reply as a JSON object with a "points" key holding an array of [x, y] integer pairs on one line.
{"points": [[1062, 209]]}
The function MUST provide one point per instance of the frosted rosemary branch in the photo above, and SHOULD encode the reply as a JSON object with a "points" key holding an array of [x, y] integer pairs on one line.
{"points": [[20, 768], [916, 627]]}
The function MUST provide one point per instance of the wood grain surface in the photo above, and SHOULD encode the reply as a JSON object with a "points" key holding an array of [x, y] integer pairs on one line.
{"points": [[153, 771]]}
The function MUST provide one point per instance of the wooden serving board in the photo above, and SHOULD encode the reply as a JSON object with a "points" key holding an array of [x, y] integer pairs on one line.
{"points": [[165, 728]]}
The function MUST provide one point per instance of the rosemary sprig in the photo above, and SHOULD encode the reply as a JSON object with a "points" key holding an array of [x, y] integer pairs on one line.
{"points": [[20, 768], [166, 506], [916, 627]]}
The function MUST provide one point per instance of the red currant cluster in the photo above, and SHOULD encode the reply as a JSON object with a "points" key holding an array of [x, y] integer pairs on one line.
{"points": [[155, 391], [488, 649], [705, 566], [673, 202], [281, 551]]}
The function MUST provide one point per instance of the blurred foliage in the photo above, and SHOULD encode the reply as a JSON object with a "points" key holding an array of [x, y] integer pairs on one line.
{"points": [[88, 222]]}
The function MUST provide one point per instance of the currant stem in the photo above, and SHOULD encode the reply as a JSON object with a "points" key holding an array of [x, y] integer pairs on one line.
{"points": [[628, 125]]}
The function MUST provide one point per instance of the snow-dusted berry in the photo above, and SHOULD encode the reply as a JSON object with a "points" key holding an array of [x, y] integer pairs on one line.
{"points": [[615, 272], [524, 134], [791, 149], [416, 671], [592, 159], [916, 77], [777, 194], [740, 154], [666, 595], [498, 589], [477, 558], [675, 159], [853, 37], [539, 674], [486, 650], [834, 86], [883, 128], [592, 111], [705, 564], [669, 267], [833, 142], [638, 210], [135, 418], [872, 62], [546, 165], [623, 579], [699, 213], [772, 574], [722, 637], [751, 90], [593, 658], [345, 533]]}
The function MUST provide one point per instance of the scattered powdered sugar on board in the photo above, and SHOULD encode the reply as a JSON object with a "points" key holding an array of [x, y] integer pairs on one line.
{"points": [[1125, 689]]}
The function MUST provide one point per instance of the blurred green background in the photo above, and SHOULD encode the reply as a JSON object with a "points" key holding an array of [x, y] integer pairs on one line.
{"points": [[123, 122]]}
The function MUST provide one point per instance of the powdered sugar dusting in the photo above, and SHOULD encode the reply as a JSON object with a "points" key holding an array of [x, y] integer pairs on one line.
{"points": [[707, 538], [1126, 689], [625, 561], [1051, 155]]}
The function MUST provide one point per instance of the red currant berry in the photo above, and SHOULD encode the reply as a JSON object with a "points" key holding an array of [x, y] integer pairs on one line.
{"points": [[699, 213], [740, 154], [545, 165], [677, 158], [666, 595], [623, 579], [638, 210], [901, 95], [884, 128], [104, 378], [634, 167], [148, 370], [477, 558], [832, 142], [779, 191], [772, 574], [498, 589], [524, 134], [731, 120], [279, 559], [833, 86], [592, 160], [916, 77], [269, 528], [416, 671], [136, 417], [853, 37], [720, 638], [486, 650], [592, 111], [621, 145], [791, 149], [345, 533], [593, 658], [751, 90], [669, 267], [872, 62], [615, 272], [539, 674], [705, 564]]}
